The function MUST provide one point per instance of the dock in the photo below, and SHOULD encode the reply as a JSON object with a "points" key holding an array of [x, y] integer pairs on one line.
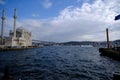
{"points": [[17, 49]]}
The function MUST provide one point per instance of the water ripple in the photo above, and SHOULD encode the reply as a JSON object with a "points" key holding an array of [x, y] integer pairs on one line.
{"points": [[59, 63]]}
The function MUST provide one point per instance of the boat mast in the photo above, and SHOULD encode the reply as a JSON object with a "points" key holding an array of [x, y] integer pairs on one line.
{"points": [[107, 35]]}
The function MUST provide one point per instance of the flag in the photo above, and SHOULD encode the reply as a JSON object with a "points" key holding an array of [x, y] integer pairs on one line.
{"points": [[117, 17]]}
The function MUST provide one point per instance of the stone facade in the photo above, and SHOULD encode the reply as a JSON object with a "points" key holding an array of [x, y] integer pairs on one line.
{"points": [[17, 38], [22, 38]]}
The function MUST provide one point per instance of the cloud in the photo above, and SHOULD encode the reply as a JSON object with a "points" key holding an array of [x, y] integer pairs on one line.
{"points": [[35, 15], [2, 2], [47, 4], [78, 1], [85, 23]]}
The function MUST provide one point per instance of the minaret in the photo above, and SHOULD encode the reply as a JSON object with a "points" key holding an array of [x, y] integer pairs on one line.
{"points": [[15, 17], [2, 28]]}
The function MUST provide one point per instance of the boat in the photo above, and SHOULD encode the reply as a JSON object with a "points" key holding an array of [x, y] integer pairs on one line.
{"points": [[116, 76], [110, 52], [86, 46], [113, 53]]}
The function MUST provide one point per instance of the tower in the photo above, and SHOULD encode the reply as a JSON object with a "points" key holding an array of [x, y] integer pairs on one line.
{"points": [[15, 17], [2, 28]]}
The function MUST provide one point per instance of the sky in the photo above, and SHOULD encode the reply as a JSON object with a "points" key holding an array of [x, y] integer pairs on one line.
{"points": [[64, 20]]}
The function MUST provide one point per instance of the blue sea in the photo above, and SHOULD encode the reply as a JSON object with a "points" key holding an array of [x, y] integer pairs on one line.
{"points": [[59, 63]]}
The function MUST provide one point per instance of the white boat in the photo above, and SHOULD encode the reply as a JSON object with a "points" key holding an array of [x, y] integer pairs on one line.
{"points": [[86, 46]]}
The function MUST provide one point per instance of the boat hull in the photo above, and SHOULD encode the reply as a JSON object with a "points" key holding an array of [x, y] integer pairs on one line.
{"points": [[110, 53]]}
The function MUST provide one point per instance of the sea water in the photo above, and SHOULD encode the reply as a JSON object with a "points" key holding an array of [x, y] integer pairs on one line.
{"points": [[59, 63]]}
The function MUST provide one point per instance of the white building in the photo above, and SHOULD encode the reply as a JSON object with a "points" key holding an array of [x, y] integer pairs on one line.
{"points": [[17, 38]]}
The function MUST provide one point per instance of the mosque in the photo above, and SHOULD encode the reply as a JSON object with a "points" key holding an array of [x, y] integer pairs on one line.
{"points": [[19, 37]]}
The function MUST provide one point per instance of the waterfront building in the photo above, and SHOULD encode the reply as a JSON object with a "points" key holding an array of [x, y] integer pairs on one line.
{"points": [[17, 38]]}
